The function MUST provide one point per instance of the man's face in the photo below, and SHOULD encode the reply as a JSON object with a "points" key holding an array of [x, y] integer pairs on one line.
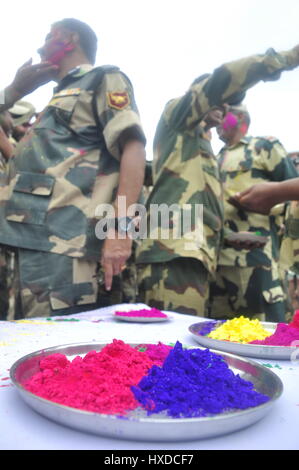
{"points": [[214, 117], [229, 127], [55, 46]]}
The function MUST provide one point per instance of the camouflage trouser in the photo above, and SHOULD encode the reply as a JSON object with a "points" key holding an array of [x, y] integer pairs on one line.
{"points": [[47, 284], [7, 260], [180, 285], [251, 292]]}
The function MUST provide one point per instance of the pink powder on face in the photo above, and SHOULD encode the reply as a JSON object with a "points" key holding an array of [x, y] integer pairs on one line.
{"points": [[144, 313], [284, 335], [100, 382], [230, 121]]}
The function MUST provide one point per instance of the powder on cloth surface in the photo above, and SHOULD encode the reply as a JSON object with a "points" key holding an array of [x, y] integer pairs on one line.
{"points": [[100, 382], [195, 383], [240, 330], [144, 313], [284, 335]]}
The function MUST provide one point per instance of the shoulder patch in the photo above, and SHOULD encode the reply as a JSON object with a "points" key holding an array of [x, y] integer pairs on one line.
{"points": [[118, 100]]}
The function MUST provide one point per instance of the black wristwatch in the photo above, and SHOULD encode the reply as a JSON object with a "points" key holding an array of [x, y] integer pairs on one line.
{"points": [[124, 224]]}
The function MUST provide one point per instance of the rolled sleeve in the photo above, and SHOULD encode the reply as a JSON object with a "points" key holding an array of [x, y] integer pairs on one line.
{"points": [[119, 115]]}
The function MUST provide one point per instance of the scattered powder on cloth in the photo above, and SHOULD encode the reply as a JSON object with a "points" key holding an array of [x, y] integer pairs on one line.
{"points": [[144, 313], [100, 382], [284, 335], [195, 383], [240, 330]]}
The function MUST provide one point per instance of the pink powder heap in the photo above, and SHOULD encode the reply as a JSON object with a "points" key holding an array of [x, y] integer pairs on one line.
{"points": [[284, 335], [158, 352], [144, 313], [100, 382], [295, 322]]}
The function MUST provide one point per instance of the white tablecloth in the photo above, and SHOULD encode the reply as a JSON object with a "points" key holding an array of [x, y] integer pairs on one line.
{"points": [[22, 428]]}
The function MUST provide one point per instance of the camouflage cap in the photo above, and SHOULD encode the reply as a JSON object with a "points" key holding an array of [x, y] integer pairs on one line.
{"points": [[22, 111]]}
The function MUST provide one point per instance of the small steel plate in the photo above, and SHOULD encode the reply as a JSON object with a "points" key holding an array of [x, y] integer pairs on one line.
{"points": [[248, 350], [138, 426], [140, 319]]}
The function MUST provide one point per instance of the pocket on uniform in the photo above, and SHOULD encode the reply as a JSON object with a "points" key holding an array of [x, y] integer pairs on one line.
{"points": [[30, 198], [292, 228], [71, 295], [59, 111], [273, 295]]}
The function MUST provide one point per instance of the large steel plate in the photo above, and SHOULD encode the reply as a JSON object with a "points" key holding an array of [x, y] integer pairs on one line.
{"points": [[138, 426], [248, 350]]}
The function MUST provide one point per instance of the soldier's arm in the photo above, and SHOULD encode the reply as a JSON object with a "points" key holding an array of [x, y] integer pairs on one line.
{"points": [[28, 78], [225, 84], [262, 197], [126, 142], [275, 160], [6, 148]]}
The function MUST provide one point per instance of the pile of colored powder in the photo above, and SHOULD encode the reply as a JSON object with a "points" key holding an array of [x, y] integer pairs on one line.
{"points": [[240, 330], [284, 335], [295, 322], [209, 326], [144, 313], [195, 383], [100, 382], [157, 352]]}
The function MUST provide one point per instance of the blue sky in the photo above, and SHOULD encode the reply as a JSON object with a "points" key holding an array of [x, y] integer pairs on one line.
{"points": [[163, 45]]}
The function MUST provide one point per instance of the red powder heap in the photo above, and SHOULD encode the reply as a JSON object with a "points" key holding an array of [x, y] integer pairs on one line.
{"points": [[284, 335], [158, 352], [100, 382], [295, 322], [144, 313]]}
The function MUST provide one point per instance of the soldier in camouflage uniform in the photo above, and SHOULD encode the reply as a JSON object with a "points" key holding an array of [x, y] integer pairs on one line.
{"points": [[174, 273], [249, 283], [6, 256], [77, 156]]}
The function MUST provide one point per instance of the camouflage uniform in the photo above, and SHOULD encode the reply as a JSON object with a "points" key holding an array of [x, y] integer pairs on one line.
{"points": [[290, 243], [185, 171], [66, 166], [249, 282]]}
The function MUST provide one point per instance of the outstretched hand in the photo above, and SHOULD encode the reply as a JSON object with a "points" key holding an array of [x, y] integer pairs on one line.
{"points": [[260, 198], [30, 77]]}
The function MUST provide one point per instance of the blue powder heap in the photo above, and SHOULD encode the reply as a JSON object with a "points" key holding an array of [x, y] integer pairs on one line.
{"points": [[195, 383], [210, 326]]}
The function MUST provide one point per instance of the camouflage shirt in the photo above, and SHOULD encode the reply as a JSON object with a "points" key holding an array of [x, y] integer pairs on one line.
{"points": [[185, 171], [68, 164], [251, 161], [289, 256]]}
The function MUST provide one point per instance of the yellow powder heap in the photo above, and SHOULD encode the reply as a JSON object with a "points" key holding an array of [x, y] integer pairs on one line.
{"points": [[240, 330]]}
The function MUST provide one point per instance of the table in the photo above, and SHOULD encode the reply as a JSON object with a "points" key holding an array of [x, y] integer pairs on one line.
{"points": [[21, 428]]}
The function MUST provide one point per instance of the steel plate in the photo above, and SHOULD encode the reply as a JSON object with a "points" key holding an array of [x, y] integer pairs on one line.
{"points": [[248, 350], [141, 319], [138, 426]]}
